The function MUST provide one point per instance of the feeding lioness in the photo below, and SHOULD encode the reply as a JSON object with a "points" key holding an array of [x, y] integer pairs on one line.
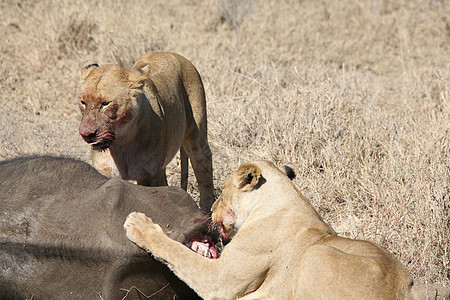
{"points": [[137, 120], [280, 249]]}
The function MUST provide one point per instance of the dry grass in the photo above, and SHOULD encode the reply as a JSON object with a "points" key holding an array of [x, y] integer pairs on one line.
{"points": [[354, 95]]}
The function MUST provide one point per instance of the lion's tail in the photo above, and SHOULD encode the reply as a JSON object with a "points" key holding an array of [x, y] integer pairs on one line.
{"points": [[419, 291]]}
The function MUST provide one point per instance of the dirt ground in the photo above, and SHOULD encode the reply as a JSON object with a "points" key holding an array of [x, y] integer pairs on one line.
{"points": [[352, 94]]}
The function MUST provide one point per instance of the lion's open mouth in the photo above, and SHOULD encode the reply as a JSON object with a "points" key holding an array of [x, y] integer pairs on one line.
{"points": [[101, 146], [205, 246], [99, 141]]}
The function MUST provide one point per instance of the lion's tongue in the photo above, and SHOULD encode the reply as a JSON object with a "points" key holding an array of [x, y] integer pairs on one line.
{"points": [[204, 248]]}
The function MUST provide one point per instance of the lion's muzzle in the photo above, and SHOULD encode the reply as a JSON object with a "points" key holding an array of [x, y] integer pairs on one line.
{"points": [[208, 245], [100, 139], [99, 142], [89, 137]]}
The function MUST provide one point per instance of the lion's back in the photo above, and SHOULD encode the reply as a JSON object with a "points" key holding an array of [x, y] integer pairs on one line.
{"points": [[168, 66]]}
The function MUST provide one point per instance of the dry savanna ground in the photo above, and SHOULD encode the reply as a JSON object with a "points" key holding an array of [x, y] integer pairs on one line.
{"points": [[354, 95]]}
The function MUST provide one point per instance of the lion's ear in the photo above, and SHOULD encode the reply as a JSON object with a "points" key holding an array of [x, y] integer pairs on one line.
{"points": [[84, 72], [247, 177], [289, 172], [138, 77]]}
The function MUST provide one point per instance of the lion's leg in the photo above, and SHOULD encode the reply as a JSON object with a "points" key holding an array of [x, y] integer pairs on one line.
{"points": [[149, 236], [157, 178], [184, 168], [104, 163], [345, 275], [196, 135], [199, 153], [220, 278]]}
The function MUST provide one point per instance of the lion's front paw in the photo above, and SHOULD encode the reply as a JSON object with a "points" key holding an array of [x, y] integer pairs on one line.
{"points": [[140, 229]]}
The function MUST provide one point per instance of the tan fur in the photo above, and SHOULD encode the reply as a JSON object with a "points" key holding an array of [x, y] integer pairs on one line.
{"points": [[137, 120], [281, 249]]}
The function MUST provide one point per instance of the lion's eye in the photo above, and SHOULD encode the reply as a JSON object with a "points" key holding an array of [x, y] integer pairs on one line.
{"points": [[83, 103], [105, 103]]}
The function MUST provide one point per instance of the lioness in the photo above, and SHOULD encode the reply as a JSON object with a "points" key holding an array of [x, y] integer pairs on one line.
{"points": [[280, 249], [137, 120]]}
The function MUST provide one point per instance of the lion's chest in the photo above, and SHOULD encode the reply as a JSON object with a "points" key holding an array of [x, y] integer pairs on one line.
{"points": [[120, 165], [145, 167], [105, 164]]}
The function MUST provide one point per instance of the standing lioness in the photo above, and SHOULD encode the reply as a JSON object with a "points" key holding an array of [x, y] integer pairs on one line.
{"points": [[280, 249], [137, 120]]}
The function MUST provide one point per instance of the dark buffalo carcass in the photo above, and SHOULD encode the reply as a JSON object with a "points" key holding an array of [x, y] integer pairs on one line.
{"points": [[62, 236]]}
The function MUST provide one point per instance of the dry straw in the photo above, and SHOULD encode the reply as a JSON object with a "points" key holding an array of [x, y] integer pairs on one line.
{"points": [[354, 95]]}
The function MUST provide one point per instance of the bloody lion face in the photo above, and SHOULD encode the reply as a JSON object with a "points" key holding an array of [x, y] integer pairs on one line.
{"points": [[107, 103]]}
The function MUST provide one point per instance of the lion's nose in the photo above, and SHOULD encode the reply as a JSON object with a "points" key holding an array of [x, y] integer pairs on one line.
{"points": [[89, 136]]}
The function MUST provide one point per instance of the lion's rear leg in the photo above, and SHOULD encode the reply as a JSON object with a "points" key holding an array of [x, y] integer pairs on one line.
{"points": [[184, 168], [201, 159]]}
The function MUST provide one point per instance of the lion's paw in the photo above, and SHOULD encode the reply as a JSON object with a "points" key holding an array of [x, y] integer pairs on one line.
{"points": [[140, 229]]}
